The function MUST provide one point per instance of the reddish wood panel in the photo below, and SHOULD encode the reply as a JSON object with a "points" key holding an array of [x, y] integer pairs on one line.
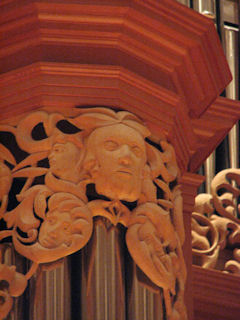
{"points": [[216, 295], [162, 41], [212, 127]]}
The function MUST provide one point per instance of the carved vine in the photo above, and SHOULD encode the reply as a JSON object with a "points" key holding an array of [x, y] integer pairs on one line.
{"points": [[216, 224], [96, 162]]}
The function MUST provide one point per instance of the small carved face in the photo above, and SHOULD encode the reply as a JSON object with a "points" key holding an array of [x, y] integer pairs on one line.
{"points": [[55, 230], [63, 159], [121, 157]]}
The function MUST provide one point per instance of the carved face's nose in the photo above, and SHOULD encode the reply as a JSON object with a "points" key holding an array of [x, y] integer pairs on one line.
{"points": [[125, 156], [126, 161], [51, 154], [53, 234]]}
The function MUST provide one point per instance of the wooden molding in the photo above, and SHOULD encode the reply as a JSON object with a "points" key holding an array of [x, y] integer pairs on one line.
{"points": [[212, 127], [164, 42], [190, 183]]}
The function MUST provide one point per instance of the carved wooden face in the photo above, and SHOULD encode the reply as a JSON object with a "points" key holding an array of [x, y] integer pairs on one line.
{"points": [[121, 157], [55, 229], [63, 159]]}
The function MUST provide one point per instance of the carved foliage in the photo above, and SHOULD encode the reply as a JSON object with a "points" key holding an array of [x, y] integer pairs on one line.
{"points": [[59, 172]]}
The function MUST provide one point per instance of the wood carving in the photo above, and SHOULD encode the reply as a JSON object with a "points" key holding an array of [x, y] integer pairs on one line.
{"points": [[12, 284], [216, 223], [96, 163]]}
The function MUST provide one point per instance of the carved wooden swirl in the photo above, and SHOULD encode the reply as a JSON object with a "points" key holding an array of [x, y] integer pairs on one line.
{"points": [[216, 222], [96, 163]]}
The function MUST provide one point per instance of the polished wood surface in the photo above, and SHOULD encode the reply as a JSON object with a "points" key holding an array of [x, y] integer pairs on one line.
{"points": [[216, 295], [157, 59]]}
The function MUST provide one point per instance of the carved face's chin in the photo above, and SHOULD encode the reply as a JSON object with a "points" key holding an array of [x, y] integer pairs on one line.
{"points": [[121, 186]]}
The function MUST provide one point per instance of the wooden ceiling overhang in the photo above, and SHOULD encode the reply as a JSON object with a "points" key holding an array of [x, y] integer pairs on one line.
{"points": [[157, 59]]}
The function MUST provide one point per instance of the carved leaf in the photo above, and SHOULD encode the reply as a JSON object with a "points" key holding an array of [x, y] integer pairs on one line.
{"points": [[31, 160], [24, 133], [57, 185], [5, 180], [23, 216], [30, 172], [93, 120], [40, 205], [232, 266], [223, 181], [5, 154], [204, 235], [147, 255], [158, 166], [16, 285], [152, 244]]}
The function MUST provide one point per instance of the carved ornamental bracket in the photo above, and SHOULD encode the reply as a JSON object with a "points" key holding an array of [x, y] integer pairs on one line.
{"points": [[216, 224], [59, 172]]}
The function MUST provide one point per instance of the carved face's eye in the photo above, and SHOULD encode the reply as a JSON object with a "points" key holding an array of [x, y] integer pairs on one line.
{"points": [[111, 145], [58, 148], [137, 151], [51, 220]]}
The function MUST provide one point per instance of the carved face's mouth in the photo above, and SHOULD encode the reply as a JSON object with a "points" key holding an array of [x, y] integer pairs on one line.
{"points": [[48, 242], [126, 171]]}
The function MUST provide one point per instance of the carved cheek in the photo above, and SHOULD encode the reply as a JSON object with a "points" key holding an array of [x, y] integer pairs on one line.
{"points": [[110, 154], [107, 160], [51, 155], [43, 232], [139, 167], [65, 228], [47, 228]]}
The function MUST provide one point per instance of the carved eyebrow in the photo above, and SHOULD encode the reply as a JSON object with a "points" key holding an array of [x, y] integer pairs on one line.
{"points": [[59, 146]]}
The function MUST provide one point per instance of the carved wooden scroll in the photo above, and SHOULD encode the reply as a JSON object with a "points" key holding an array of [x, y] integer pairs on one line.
{"points": [[58, 172], [216, 224]]}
